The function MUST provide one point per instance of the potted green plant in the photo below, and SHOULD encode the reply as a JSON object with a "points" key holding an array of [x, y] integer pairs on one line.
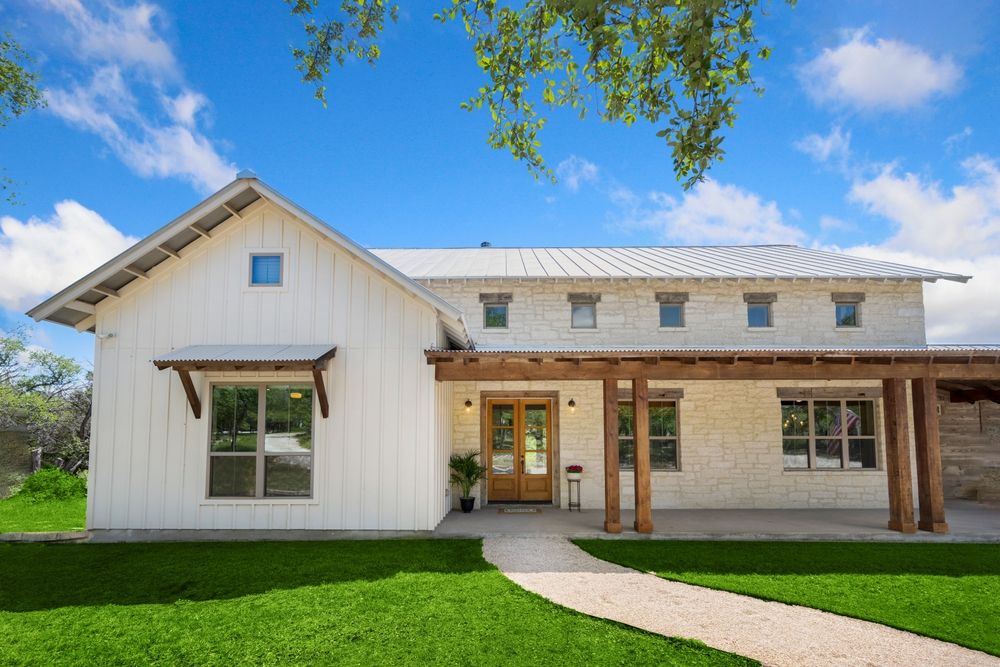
{"points": [[466, 472], [574, 471]]}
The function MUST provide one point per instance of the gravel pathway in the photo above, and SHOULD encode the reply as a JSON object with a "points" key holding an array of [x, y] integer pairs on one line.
{"points": [[772, 632]]}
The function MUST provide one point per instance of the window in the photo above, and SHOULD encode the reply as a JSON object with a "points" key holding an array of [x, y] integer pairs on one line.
{"points": [[828, 434], [584, 316], [758, 315], [848, 315], [494, 315], [847, 309], [662, 435], [265, 270], [671, 315], [261, 441]]}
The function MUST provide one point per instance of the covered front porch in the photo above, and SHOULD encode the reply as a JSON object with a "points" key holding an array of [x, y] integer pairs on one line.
{"points": [[909, 461]]}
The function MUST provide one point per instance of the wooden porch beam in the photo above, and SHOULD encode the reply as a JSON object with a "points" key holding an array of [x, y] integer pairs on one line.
{"points": [[973, 395], [643, 486], [324, 403], [612, 492], [930, 489], [897, 456], [192, 395]]}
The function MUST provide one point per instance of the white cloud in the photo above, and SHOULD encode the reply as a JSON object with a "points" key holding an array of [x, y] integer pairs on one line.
{"points": [[124, 35], [870, 73], [574, 171], [710, 213], [954, 139], [957, 231], [135, 99], [835, 146], [830, 224], [106, 107], [40, 256]]}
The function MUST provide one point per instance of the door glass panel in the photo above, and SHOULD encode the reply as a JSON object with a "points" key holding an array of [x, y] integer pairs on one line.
{"points": [[503, 463], [503, 438], [536, 463], [288, 419], [503, 415], [828, 453], [535, 415], [534, 439]]}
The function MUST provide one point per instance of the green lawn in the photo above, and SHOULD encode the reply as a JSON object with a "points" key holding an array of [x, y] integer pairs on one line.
{"points": [[20, 515], [372, 602], [948, 591]]}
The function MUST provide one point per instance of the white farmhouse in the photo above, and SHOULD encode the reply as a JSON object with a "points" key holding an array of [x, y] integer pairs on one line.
{"points": [[257, 370]]}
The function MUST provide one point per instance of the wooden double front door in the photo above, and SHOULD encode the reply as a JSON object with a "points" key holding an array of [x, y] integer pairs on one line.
{"points": [[519, 449]]}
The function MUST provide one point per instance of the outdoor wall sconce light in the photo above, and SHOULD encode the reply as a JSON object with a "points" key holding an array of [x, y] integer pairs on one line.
{"points": [[468, 405], [572, 405]]}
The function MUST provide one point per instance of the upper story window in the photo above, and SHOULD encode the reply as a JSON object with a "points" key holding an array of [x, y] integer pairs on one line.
{"points": [[583, 310], [847, 309], [663, 440], [266, 269], [495, 309], [828, 434], [671, 309], [261, 441], [759, 309]]}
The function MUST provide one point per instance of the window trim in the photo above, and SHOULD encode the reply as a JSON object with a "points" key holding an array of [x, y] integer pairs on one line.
{"points": [[259, 454], [770, 314], [858, 322], [845, 439], [506, 317], [675, 438], [249, 254], [575, 304]]}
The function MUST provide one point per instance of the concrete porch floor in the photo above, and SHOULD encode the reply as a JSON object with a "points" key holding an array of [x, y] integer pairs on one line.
{"points": [[968, 522]]}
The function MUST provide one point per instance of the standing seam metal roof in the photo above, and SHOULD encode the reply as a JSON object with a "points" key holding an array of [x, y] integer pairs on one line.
{"points": [[715, 262]]}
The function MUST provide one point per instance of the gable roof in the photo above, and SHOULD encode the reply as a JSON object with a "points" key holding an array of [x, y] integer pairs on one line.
{"points": [[690, 262], [75, 305]]}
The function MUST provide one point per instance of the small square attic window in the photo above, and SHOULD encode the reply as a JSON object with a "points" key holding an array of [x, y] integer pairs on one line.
{"points": [[265, 270]]}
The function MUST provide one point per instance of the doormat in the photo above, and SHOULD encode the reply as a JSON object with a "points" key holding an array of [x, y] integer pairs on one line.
{"points": [[519, 510]]}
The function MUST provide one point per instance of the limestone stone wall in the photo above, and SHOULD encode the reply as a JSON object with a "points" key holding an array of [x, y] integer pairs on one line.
{"points": [[970, 447], [730, 448], [892, 314]]}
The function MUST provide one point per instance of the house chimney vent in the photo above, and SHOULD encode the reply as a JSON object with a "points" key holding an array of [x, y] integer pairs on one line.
{"points": [[485, 244]]}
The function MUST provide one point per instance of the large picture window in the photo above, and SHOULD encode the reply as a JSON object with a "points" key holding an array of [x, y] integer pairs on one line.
{"points": [[828, 434], [662, 435], [261, 441]]}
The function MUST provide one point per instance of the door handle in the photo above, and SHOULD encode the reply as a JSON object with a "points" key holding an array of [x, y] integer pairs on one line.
{"points": [[522, 465]]}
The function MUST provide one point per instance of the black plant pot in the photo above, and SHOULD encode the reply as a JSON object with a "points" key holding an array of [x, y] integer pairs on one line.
{"points": [[467, 504]]}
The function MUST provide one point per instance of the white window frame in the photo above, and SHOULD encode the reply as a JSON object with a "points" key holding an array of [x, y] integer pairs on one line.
{"points": [[857, 315], [683, 309], [770, 314], [590, 304], [260, 454], [496, 304], [249, 254]]}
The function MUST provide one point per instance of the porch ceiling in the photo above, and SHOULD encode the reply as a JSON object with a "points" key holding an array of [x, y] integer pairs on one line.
{"points": [[934, 361]]}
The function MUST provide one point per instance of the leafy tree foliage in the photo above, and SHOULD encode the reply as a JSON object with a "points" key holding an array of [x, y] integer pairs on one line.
{"points": [[19, 92], [50, 396], [677, 64]]}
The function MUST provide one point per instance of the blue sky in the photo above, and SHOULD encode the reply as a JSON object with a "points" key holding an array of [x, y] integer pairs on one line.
{"points": [[876, 134]]}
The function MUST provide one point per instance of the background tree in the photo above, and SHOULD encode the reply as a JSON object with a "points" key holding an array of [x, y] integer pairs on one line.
{"points": [[19, 93], [677, 64], [50, 396]]}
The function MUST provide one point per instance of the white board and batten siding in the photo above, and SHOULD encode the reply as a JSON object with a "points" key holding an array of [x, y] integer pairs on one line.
{"points": [[378, 460]]}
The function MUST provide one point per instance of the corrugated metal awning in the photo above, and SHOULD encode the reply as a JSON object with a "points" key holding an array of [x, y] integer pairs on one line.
{"points": [[248, 358], [238, 357]]}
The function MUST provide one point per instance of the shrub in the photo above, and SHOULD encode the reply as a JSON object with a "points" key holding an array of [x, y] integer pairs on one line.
{"points": [[52, 484]]}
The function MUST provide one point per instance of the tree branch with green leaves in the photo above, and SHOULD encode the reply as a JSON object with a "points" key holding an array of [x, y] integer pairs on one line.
{"points": [[677, 64], [19, 93]]}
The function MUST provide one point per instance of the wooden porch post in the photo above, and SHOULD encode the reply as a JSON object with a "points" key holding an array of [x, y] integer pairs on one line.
{"points": [[930, 490], [643, 490], [897, 456], [612, 494]]}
